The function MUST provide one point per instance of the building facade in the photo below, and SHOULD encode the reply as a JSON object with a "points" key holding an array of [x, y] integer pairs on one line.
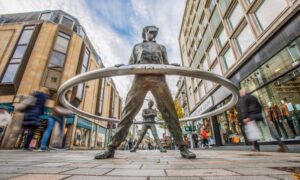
{"points": [[44, 49], [255, 44]]}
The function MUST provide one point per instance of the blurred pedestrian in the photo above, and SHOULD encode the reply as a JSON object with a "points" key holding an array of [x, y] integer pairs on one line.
{"points": [[32, 114], [130, 144], [59, 112], [205, 137], [5, 119], [252, 115]]}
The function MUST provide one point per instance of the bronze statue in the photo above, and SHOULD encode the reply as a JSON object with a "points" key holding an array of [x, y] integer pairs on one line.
{"points": [[149, 123], [148, 52]]}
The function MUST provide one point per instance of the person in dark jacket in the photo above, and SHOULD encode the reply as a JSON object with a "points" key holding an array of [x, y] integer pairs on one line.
{"points": [[252, 111], [32, 115]]}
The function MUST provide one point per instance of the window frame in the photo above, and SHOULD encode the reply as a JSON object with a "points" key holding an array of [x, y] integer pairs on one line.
{"points": [[69, 18], [45, 12]]}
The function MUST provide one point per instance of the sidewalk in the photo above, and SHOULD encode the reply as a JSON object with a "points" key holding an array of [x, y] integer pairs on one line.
{"points": [[144, 165], [264, 148]]}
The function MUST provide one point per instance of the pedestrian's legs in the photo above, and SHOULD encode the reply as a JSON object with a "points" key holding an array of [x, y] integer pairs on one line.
{"points": [[256, 146], [281, 144], [29, 136], [141, 136], [47, 133]]}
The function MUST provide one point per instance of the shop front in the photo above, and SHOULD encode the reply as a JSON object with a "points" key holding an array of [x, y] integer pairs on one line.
{"points": [[277, 86], [82, 132], [101, 131]]}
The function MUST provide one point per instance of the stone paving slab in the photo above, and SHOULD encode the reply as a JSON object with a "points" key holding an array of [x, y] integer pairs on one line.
{"points": [[6, 176], [200, 172], [136, 172], [146, 165], [87, 171], [257, 171], [241, 178], [105, 178], [40, 177]]}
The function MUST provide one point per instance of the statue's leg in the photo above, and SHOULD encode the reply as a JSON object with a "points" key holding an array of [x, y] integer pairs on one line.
{"points": [[133, 104], [141, 136], [166, 106], [154, 133]]}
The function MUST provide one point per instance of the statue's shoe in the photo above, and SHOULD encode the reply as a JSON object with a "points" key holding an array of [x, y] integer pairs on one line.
{"points": [[185, 153], [105, 155], [133, 150], [163, 150]]}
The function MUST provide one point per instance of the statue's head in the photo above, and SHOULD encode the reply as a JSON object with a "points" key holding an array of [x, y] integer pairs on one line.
{"points": [[150, 33], [150, 103]]}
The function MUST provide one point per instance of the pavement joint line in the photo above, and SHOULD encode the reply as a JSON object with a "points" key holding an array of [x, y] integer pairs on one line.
{"points": [[68, 170], [232, 171], [166, 172], [108, 172]]}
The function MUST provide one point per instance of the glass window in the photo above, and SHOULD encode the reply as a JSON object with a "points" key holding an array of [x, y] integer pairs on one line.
{"points": [[266, 15], [202, 90], [26, 35], [224, 5], [204, 65], [217, 69], [245, 39], [68, 22], [209, 85], [18, 54], [84, 67], [236, 16], [82, 32], [196, 93], [212, 53], [79, 92], [57, 60], [228, 59], [222, 38], [46, 16], [211, 5], [10, 73], [203, 21], [61, 44]]}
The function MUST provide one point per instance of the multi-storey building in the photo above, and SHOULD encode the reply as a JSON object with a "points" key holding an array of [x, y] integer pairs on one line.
{"points": [[254, 43], [44, 49]]}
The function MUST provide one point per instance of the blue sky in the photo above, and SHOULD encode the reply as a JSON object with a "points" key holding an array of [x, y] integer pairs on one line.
{"points": [[114, 26]]}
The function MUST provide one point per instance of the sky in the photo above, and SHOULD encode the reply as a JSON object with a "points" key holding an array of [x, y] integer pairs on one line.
{"points": [[115, 26]]}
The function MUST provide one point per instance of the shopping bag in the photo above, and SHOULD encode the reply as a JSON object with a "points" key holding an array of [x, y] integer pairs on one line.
{"points": [[252, 131]]}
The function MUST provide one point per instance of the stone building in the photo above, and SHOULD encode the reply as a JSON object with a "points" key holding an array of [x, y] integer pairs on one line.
{"points": [[44, 49], [255, 44]]}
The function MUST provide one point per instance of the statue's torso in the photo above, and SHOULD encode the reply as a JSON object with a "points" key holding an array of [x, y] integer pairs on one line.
{"points": [[149, 53], [152, 118]]}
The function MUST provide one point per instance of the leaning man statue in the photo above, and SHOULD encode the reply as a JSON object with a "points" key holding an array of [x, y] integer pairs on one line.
{"points": [[149, 123], [148, 52]]}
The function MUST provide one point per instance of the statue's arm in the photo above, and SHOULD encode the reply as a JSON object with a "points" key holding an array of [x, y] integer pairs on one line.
{"points": [[164, 55], [132, 59]]}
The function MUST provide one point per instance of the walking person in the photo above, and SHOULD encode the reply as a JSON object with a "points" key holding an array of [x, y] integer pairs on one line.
{"points": [[205, 137], [32, 115], [252, 111], [57, 116]]}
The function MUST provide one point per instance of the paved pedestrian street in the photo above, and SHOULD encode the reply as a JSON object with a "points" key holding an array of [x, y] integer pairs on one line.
{"points": [[144, 165]]}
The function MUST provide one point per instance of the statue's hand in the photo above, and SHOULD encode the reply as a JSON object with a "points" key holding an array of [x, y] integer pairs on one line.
{"points": [[175, 64], [119, 65]]}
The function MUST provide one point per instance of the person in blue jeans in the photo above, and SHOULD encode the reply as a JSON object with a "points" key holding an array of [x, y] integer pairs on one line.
{"points": [[57, 116]]}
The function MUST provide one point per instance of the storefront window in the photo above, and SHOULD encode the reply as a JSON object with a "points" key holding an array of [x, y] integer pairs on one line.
{"points": [[101, 137], [83, 132], [276, 85], [205, 124], [229, 128]]}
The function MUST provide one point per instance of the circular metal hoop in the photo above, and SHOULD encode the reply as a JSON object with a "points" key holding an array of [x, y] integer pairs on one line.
{"points": [[147, 69]]}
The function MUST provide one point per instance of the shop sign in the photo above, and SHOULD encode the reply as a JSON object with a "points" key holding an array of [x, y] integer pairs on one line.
{"points": [[188, 128], [208, 103], [83, 123]]}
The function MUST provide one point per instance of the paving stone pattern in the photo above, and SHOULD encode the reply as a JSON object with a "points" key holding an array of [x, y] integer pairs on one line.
{"points": [[148, 165]]}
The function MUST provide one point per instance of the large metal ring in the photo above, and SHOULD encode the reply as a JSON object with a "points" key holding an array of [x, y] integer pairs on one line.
{"points": [[147, 69]]}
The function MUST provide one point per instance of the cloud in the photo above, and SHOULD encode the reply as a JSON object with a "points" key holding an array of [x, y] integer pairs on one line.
{"points": [[114, 26]]}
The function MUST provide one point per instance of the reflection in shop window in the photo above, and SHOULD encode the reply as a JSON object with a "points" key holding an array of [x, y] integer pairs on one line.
{"points": [[266, 15], [276, 85]]}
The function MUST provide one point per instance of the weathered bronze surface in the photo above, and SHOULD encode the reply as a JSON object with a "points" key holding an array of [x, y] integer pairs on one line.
{"points": [[149, 123]]}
